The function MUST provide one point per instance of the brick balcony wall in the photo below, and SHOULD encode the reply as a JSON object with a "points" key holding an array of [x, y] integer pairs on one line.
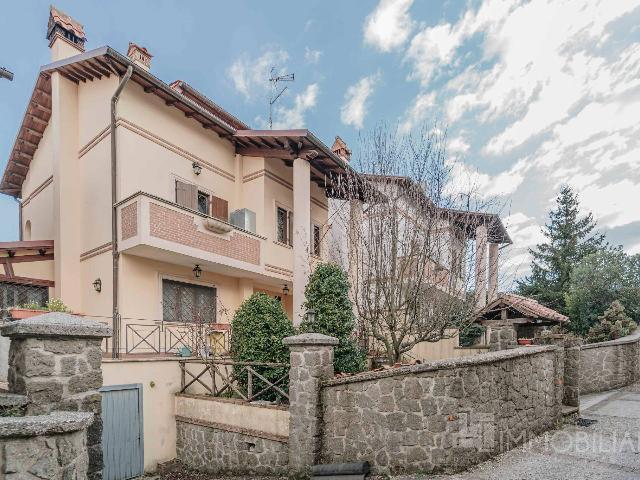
{"points": [[178, 227]]}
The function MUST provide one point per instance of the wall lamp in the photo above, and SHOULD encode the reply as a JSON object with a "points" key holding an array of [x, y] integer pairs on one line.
{"points": [[197, 168], [285, 289], [197, 271], [311, 315], [97, 285]]}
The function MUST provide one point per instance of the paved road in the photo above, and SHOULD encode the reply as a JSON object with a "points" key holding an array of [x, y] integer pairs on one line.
{"points": [[608, 449]]}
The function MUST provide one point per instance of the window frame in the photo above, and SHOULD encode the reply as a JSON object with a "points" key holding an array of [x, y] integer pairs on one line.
{"points": [[204, 193], [316, 247], [288, 226], [188, 281]]}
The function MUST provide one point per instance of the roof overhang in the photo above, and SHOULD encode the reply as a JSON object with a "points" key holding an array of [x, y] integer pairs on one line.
{"points": [[469, 221]]}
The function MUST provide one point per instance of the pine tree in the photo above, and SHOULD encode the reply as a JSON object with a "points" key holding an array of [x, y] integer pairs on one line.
{"points": [[570, 237]]}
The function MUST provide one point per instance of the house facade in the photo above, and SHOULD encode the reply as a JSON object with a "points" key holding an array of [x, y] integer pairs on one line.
{"points": [[158, 203]]}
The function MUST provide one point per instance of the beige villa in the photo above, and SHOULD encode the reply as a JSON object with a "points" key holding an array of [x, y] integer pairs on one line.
{"points": [[144, 204]]}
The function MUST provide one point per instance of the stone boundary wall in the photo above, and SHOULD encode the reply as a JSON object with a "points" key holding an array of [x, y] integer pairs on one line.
{"points": [[441, 416], [52, 446], [221, 435], [608, 365]]}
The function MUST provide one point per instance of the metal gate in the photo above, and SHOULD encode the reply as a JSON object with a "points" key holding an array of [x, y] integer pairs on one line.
{"points": [[122, 431]]}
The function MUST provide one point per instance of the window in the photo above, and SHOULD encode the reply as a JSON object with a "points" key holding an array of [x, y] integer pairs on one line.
{"points": [[203, 202], [188, 303], [316, 240], [284, 226]]}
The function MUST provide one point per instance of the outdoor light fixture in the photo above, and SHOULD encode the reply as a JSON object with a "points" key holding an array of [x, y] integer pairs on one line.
{"points": [[197, 168], [97, 285], [285, 289], [311, 315], [4, 73], [197, 271]]}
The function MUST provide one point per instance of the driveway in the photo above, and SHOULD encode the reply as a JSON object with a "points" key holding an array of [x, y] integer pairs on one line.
{"points": [[607, 449]]}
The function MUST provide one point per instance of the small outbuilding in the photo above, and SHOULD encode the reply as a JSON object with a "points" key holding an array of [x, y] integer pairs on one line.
{"points": [[510, 317]]}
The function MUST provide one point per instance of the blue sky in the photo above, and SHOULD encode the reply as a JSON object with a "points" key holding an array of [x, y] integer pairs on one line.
{"points": [[533, 94]]}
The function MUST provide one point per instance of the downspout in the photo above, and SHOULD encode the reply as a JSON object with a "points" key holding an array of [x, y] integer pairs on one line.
{"points": [[115, 347], [19, 202]]}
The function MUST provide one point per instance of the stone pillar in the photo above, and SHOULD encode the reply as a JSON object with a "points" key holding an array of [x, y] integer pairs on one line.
{"points": [[311, 364], [56, 361], [502, 335], [493, 271], [481, 266], [301, 234], [569, 393]]}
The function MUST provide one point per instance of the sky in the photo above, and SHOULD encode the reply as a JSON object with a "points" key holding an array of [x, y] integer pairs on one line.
{"points": [[533, 95]]}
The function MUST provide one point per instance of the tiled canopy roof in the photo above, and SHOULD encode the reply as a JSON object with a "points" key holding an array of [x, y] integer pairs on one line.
{"points": [[528, 307]]}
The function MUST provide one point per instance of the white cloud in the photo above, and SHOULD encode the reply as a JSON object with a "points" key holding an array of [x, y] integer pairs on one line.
{"points": [[250, 76], [354, 110], [312, 56], [612, 203], [294, 116], [458, 145], [422, 107], [467, 179], [389, 25]]}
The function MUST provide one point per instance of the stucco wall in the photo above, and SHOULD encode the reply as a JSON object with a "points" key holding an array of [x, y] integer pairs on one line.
{"points": [[608, 365], [160, 381], [446, 415]]}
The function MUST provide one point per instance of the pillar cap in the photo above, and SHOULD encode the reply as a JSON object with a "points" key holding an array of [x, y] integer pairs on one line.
{"points": [[312, 339], [56, 324]]}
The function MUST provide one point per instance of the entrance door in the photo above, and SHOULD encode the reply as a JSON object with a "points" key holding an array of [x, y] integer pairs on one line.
{"points": [[122, 432]]}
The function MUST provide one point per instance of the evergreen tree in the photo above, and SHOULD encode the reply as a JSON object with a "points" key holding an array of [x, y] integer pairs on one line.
{"points": [[327, 294], [570, 237]]}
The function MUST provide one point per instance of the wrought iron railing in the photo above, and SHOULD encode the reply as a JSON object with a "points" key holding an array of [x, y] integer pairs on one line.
{"points": [[248, 381]]}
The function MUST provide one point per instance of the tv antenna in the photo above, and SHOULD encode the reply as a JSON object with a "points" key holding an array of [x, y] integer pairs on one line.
{"points": [[275, 95], [4, 73]]}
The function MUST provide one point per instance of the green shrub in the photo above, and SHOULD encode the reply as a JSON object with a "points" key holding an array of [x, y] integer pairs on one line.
{"points": [[327, 294], [469, 335], [614, 323], [258, 327], [52, 305]]}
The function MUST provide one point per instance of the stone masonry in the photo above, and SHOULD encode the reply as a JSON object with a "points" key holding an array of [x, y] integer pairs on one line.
{"points": [[502, 335], [311, 364], [52, 446], [608, 365], [55, 361], [446, 415], [215, 450]]}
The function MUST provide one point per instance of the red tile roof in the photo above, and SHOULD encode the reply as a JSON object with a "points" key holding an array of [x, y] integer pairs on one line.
{"points": [[527, 306]]}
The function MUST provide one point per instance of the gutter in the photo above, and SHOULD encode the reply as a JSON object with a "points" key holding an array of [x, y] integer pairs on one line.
{"points": [[19, 202], [115, 347]]}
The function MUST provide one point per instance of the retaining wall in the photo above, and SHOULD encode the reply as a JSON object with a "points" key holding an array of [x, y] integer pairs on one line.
{"points": [[608, 365], [225, 435], [447, 415]]}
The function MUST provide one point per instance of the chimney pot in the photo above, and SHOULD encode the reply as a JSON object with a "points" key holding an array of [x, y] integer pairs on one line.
{"points": [[140, 56], [65, 34], [340, 148]]}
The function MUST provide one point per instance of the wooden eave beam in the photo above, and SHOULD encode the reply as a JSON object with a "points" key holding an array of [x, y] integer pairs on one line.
{"points": [[37, 119], [106, 66], [266, 152], [104, 70], [42, 107], [171, 103], [190, 114], [45, 94], [22, 154], [33, 132], [27, 142], [89, 69], [150, 89], [69, 76], [79, 72], [27, 258]]}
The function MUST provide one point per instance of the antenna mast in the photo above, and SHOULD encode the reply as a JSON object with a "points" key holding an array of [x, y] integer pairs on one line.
{"points": [[275, 95]]}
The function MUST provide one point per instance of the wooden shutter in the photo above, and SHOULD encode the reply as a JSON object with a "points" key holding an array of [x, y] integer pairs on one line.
{"points": [[186, 195], [220, 208]]}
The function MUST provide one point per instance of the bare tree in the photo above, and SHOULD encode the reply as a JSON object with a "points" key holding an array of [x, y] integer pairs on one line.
{"points": [[405, 241]]}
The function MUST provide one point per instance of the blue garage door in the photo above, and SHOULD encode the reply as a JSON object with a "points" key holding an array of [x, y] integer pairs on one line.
{"points": [[122, 432]]}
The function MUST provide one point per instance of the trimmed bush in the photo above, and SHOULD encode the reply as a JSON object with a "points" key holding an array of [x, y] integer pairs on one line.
{"points": [[258, 327], [327, 293]]}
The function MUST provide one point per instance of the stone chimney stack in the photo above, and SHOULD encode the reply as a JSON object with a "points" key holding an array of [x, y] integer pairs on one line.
{"points": [[340, 148], [66, 35], [140, 56]]}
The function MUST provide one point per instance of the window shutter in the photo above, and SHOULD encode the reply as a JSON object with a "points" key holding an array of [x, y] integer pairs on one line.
{"points": [[290, 232], [187, 195], [220, 208]]}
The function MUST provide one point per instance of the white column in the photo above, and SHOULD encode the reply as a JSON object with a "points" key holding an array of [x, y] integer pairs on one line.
{"points": [[301, 234], [493, 271], [481, 266]]}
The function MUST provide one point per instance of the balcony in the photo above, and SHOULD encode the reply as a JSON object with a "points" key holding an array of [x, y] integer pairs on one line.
{"points": [[152, 227]]}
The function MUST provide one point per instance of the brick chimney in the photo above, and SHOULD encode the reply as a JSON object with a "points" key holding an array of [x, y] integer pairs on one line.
{"points": [[66, 35], [140, 56], [340, 148]]}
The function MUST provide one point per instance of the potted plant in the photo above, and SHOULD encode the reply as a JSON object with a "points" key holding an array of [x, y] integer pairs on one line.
{"points": [[525, 341], [32, 309]]}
